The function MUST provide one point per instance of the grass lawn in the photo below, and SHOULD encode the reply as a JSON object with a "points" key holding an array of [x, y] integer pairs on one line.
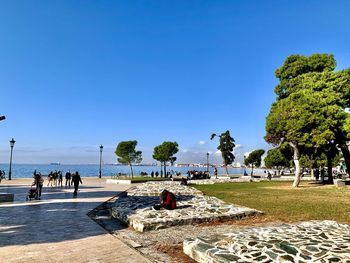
{"points": [[280, 202]]}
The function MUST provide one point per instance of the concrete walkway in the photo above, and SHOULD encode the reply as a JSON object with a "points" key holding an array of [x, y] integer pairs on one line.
{"points": [[56, 228]]}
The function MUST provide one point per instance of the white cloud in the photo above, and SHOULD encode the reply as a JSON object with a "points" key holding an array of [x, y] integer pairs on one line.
{"points": [[218, 152], [202, 142]]}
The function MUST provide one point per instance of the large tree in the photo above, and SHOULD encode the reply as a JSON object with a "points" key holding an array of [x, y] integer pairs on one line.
{"points": [[165, 153], [309, 109], [254, 159], [127, 154], [226, 146], [306, 120]]}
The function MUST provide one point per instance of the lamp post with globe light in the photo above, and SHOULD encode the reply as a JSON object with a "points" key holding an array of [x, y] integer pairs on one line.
{"points": [[101, 149], [12, 144], [208, 162]]}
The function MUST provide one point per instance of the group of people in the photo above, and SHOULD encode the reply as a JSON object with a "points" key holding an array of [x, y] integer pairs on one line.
{"points": [[321, 173], [169, 174], [193, 175], [55, 178]]}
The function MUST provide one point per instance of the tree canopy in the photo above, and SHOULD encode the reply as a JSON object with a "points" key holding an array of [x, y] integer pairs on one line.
{"points": [[226, 146], [165, 153], [254, 159], [309, 109], [128, 154], [279, 157]]}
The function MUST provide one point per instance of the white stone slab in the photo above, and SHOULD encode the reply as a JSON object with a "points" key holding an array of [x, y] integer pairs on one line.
{"points": [[116, 181], [313, 241], [138, 212]]}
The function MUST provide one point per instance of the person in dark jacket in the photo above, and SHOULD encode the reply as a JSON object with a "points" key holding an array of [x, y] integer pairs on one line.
{"points": [[76, 180]]}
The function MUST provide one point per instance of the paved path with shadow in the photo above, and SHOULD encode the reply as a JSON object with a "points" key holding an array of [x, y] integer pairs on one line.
{"points": [[56, 228]]}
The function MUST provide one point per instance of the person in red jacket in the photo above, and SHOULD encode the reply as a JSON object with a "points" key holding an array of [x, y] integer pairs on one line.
{"points": [[167, 200]]}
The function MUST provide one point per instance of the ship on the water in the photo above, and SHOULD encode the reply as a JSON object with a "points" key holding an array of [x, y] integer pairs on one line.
{"points": [[58, 163]]}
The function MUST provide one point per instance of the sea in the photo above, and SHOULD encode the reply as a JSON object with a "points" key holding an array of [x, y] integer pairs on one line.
{"points": [[108, 170]]}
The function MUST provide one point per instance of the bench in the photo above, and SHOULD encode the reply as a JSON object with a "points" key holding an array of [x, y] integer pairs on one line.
{"points": [[340, 182]]}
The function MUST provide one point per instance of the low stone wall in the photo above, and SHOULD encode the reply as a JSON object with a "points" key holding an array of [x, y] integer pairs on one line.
{"points": [[117, 181], [341, 182], [313, 241], [138, 212], [6, 197], [224, 180], [155, 188]]}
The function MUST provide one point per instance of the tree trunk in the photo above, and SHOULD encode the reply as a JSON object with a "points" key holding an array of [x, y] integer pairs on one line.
{"points": [[312, 174], [322, 174], [165, 175], [161, 169], [132, 172], [296, 156], [251, 172], [313, 166], [226, 169], [346, 154], [329, 168]]}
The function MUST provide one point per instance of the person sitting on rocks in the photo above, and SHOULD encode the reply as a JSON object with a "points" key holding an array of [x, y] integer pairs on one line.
{"points": [[167, 201]]}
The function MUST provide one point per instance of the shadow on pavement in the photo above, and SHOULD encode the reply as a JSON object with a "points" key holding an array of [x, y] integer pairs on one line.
{"points": [[57, 217]]}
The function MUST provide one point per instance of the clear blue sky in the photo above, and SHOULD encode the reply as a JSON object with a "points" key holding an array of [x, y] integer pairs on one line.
{"points": [[75, 74]]}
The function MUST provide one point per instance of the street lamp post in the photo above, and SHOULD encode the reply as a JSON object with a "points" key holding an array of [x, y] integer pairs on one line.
{"points": [[101, 149], [208, 162], [12, 143]]}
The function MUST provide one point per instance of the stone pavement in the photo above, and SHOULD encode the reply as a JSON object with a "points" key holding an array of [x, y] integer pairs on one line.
{"points": [[56, 228], [312, 241]]}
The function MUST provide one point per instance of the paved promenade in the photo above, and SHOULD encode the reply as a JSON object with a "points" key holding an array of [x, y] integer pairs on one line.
{"points": [[56, 228]]}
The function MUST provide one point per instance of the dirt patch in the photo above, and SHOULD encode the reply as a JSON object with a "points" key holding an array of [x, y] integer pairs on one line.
{"points": [[175, 252]]}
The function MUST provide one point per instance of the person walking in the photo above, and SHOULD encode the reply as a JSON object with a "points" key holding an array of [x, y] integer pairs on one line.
{"points": [[38, 181], [216, 173], [76, 180], [60, 178], [68, 178]]}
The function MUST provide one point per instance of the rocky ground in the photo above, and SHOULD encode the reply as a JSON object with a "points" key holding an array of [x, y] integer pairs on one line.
{"points": [[245, 240], [311, 241]]}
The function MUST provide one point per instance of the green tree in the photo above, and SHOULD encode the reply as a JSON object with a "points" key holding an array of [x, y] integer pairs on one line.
{"points": [[309, 109], [127, 154], [226, 146], [165, 153], [254, 159], [306, 120], [276, 158]]}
